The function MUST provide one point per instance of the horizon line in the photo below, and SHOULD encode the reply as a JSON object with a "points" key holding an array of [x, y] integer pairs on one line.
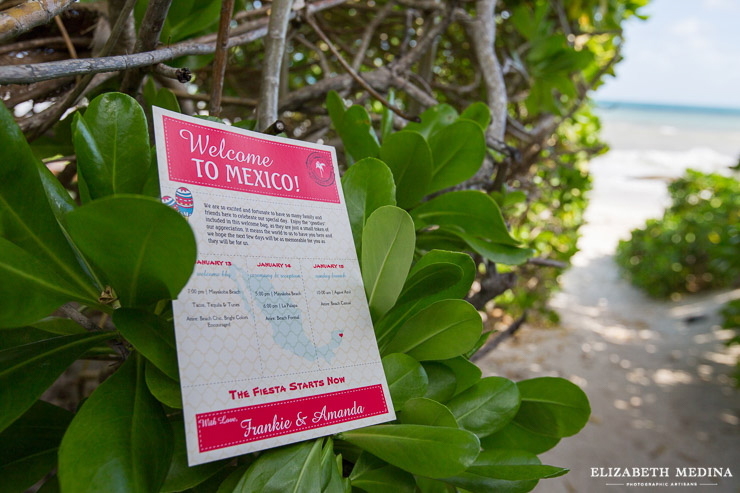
{"points": [[666, 105]]}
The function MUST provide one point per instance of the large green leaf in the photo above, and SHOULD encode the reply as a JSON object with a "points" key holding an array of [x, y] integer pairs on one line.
{"points": [[145, 249], [466, 373], [27, 371], [434, 119], [422, 411], [28, 448], [292, 469], [367, 185], [552, 406], [442, 381], [432, 451], [335, 107], [180, 477], [497, 252], [188, 17], [59, 325], [409, 157], [331, 467], [30, 289], [119, 440], [151, 335], [354, 128], [430, 280], [479, 113], [386, 120], [26, 218], [443, 330], [387, 250], [468, 211], [166, 390], [504, 471], [406, 378], [373, 475], [458, 152], [112, 145], [487, 406], [514, 436]]}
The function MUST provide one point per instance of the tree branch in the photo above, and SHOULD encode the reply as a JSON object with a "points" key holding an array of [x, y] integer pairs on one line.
{"points": [[367, 36], [494, 343], [219, 62], [24, 17], [267, 110]]}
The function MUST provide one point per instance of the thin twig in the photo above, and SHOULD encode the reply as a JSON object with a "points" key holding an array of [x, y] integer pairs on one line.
{"points": [[67, 41], [495, 342], [72, 313], [251, 103], [356, 76], [367, 36], [30, 44], [547, 262], [182, 75], [219, 61]]}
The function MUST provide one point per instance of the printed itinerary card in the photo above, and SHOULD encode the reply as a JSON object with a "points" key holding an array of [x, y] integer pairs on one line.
{"points": [[274, 339]]}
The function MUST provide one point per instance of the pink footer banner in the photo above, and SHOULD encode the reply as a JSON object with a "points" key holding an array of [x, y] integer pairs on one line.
{"points": [[251, 423]]}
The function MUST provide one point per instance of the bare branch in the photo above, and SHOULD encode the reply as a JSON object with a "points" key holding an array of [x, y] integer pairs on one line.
{"points": [[547, 262], [26, 16], [67, 40], [494, 343], [250, 103], [323, 62], [182, 75], [367, 36], [267, 110], [219, 62], [29, 44]]}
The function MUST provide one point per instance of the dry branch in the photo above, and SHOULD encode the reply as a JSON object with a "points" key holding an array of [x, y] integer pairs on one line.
{"points": [[267, 111], [219, 62], [26, 16]]}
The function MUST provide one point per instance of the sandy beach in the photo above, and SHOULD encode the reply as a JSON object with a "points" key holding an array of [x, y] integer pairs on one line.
{"points": [[657, 373]]}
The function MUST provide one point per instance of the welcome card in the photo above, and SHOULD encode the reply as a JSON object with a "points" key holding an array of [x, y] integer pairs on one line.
{"points": [[274, 338]]}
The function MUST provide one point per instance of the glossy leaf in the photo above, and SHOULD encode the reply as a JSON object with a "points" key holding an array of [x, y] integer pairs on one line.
{"points": [[387, 250], [112, 145], [504, 471], [422, 411], [434, 119], [386, 121], [136, 257], [497, 252], [21, 335], [294, 468], [357, 134], [180, 477], [443, 330], [487, 406], [468, 211], [458, 152], [406, 378], [514, 436], [26, 218], [466, 373], [431, 451], [442, 381], [119, 440], [335, 107], [409, 158], [27, 371], [28, 448], [367, 185], [479, 113], [552, 406], [166, 390], [373, 475], [151, 335], [59, 325]]}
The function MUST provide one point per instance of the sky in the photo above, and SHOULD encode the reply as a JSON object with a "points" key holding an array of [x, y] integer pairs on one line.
{"points": [[687, 52]]}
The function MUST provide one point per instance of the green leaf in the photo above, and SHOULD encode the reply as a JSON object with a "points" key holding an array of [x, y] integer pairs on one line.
{"points": [[119, 440], [166, 99], [27, 371], [356, 132], [422, 411], [26, 218], [295, 468], [497, 252], [442, 381], [28, 448], [406, 378], [552, 407], [458, 152], [59, 325], [409, 157], [373, 475], [166, 390], [387, 250], [136, 255], [112, 145], [335, 107], [188, 17], [466, 373], [430, 280], [434, 119], [467, 211], [443, 330], [504, 471], [487, 406], [367, 185], [58, 142], [425, 450], [180, 477], [232, 480], [151, 335], [479, 113], [514, 436], [386, 121], [21, 335]]}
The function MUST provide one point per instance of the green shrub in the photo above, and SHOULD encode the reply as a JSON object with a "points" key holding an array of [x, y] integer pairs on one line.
{"points": [[695, 245]]}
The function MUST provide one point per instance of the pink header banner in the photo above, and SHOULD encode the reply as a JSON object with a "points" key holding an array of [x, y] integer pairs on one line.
{"points": [[232, 160], [248, 424]]}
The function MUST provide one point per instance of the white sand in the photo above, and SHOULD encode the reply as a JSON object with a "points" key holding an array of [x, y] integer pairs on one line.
{"points": [[659, 386]]}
